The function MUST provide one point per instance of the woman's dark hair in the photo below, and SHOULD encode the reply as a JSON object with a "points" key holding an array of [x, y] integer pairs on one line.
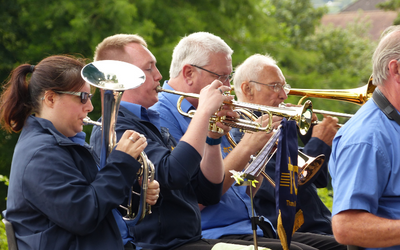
{"points": [[22, 97]]}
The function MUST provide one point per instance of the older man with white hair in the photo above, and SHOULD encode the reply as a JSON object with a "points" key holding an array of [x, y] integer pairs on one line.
{"points": [[365, 162]]}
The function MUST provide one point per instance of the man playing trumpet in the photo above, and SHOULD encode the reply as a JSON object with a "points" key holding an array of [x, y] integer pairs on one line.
{"points": [[189, 172], [259, 80], [197, 60]]}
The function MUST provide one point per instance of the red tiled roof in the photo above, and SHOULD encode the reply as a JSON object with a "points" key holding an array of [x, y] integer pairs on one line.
{"points": [[363, 5], [379, 19]]}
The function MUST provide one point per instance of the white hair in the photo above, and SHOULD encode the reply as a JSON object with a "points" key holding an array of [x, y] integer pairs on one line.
{"points": [[196, 49], [387, 50], [251, 69]]}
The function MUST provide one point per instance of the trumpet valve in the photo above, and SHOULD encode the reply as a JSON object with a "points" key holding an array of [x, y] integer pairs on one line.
{"points": [[213, 124], [214, 128]]}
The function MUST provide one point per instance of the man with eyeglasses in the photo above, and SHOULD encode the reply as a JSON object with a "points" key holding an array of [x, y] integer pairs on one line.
{"points": [[197, 60], [181, 169], [259, 80]]}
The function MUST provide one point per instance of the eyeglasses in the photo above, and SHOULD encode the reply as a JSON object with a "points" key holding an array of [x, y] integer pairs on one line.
{"points": [[277, 86], [222, 78], [83, 95]]}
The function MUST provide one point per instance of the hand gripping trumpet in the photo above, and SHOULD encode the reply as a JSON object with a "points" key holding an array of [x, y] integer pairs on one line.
{"points": [[302, 115], [110, 76]]}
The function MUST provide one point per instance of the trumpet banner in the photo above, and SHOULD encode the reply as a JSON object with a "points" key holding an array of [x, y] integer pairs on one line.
{"points": [[290, 217]]}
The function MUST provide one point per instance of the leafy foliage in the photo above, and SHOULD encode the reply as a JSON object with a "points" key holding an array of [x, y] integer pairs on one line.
{"points": [[310, 56], [326, 196]]}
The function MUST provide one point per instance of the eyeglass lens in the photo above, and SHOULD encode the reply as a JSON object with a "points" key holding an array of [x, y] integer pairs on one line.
{"points": [[85, 96], [222, 78], [285, 87]]}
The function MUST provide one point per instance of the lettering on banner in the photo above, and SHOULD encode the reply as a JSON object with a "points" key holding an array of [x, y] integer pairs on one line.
{"points": [[228, 149], [288, 179]]}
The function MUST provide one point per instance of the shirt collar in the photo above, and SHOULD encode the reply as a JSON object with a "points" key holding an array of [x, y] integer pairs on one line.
{"points": [[185, 106], [79, 138], [143, 113]]}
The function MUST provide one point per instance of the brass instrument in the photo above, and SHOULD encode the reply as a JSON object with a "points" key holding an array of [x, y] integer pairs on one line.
{"points": [[88, 121], [308, 166], [111, 77], [302, 115], [357, 96]]}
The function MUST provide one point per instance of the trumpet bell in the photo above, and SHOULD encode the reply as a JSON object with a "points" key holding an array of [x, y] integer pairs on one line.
{"points": [[308, 166], [112, 75]]}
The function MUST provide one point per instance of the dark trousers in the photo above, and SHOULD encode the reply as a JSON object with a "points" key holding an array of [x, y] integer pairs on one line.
{"points": [[319, 241], [274, 244], [129, 246], [308, 241]]}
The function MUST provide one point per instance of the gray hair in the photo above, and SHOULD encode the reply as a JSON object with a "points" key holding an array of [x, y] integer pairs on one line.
{"points": [[196, 49], [113, 46], [387, 50], [251, 69]]}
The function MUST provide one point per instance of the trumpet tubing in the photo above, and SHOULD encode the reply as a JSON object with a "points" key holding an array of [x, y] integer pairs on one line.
{"points": [[331, 113], [88, 121]]}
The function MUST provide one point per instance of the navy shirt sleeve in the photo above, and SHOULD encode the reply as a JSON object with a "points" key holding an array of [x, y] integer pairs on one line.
{"points": [[62, 192]]}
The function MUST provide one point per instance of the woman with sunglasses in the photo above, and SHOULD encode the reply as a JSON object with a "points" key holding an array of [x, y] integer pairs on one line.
{"points": [[57, 197]]}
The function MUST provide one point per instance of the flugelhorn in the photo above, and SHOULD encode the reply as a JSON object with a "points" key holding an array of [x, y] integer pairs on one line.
{"points": [[110, 76], [302, 115]]}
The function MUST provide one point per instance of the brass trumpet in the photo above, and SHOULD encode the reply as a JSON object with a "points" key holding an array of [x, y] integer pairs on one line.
{"points": [[357, 96], [302, 115], [110, 76], [308, 166]]}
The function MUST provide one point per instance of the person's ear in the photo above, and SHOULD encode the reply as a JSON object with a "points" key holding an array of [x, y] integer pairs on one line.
{"points": [[49, 98], [247, 89], [395, 67], [188, 73]]}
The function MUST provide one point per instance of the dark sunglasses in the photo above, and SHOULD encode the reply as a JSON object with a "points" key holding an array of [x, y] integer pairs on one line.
{"points": [[83, 95]]}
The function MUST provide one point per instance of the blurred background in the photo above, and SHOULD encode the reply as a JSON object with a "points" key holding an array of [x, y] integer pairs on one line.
{"points": [[318, 44]]}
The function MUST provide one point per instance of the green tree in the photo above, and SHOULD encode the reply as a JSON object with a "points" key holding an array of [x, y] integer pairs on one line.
{"points": [[309, 57], [297, 18]]}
